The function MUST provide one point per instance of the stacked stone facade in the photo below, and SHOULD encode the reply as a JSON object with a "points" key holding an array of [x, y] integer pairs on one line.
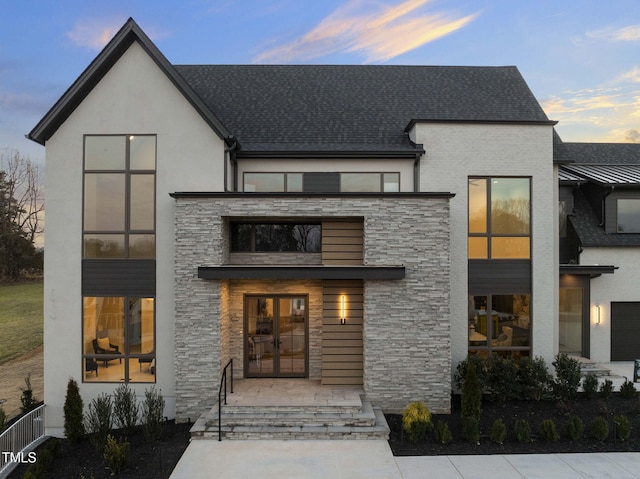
{"points": [[406, 336]]}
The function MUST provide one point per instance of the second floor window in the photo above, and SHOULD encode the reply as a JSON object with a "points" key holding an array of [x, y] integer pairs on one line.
{"points": [[499, 218], [119, 196], [628, 216]]}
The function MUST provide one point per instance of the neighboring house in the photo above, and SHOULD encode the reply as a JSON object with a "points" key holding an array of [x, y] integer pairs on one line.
{"points": [[353, 225], [600, 251]]}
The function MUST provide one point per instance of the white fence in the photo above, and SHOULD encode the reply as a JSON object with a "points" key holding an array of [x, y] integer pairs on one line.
{"points": [[22, 436]]}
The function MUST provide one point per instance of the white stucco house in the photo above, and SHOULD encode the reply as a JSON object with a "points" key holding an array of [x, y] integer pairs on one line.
{"points": [[361, 226]]}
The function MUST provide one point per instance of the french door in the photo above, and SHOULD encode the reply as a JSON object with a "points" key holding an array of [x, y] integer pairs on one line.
{"points": [[276, 335]]}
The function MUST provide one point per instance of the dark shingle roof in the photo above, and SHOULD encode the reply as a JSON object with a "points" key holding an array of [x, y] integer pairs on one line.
{"points": [[585, 223], [340, 107], [604, 153]]}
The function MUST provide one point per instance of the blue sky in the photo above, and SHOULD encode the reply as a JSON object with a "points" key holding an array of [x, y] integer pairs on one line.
{"points": [[581, 58]]}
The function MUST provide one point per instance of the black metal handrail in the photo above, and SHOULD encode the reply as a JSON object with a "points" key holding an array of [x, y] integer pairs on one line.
{"points": [[223, 382]]}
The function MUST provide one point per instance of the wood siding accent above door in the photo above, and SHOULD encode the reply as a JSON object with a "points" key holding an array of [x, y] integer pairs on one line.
{"points": [[342, 361], [342, 242]]}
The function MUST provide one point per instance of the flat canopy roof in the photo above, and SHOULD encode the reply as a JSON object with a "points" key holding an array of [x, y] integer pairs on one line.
{"points": [[301, 272], [593, 270]]}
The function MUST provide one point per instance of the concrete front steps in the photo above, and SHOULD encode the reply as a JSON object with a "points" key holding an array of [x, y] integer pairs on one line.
{"points": [[351, 421], [587, 366]]}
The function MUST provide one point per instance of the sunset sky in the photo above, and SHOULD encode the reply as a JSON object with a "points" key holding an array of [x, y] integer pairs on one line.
{"points": [[581, 58]]}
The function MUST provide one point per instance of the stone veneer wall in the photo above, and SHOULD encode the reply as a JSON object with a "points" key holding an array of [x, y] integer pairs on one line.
{"points": [[406, 328]]}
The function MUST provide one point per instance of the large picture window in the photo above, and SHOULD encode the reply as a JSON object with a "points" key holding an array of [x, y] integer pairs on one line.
{"points": [[118, 339], [499, 218], [360, 182], [119, 196], [276, 237]]}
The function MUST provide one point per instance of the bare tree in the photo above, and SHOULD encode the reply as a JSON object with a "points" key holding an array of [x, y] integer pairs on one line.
{"points": [[24, 187]]}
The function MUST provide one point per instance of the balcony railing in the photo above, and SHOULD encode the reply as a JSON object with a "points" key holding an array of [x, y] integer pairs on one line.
{"points": [[21, 437]]}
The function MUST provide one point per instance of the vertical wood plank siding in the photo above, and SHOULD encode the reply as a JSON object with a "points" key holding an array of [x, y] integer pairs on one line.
{"points": [[342, 363], [342, 242]]}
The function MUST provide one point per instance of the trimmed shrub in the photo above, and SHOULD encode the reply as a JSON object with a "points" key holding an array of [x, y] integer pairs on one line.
{"points": [[590, 385], [521, 430], [534, 378], [628, 390], [501, 378], [548, 431], [152, 414], [567, 381], [99, 420], [574, 428], [606, 389], [461, 371], [73, 419], [471, 405], [498, 432], [28, 400], [623, 427], [471, 429], [416, 421], [125, 408], [599, 429], [116, 454], [442, 433]]}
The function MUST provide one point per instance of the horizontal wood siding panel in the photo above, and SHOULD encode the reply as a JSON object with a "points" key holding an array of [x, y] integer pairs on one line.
{"points": [[126, 277], [342, 242], [342, 344], [500, 276]]}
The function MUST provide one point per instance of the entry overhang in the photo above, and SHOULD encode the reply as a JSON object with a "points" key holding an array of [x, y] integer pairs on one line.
{"points": [[593, 270], [300, 272]]}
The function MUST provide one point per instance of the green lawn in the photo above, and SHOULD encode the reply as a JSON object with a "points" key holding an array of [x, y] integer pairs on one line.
{"points": [[21, 319]]}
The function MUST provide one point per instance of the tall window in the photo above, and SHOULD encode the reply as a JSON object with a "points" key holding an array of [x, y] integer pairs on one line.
{"points": [[119, 339], [119, 196], [499, 218]]}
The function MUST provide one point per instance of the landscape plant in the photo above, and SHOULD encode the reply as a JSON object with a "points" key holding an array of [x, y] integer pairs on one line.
{"points": [[628, 389], [590, 385], [567, 379], [116, 453], [99, 420], [498, 431], [152, 414], [461, 371], [534, 378], [471, 406], [442, 433], [501, 378], [416, 421], [574, 428], [28, 400], [606, 389], [521, 430], [73, 418], [622, 427], [125, 408], [599, 428]]}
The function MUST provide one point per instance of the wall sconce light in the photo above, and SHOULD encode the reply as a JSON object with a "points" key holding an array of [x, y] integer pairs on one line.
{"points": [[343, 309], [598, 314]]}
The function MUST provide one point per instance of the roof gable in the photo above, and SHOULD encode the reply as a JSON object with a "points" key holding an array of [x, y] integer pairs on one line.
{"points": [[91, 76]]}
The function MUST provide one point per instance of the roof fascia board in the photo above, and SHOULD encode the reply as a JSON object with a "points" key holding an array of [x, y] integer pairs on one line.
{"points": [[245, 195], [100, 66], [330, 155], [301, 272], [413, 122]]}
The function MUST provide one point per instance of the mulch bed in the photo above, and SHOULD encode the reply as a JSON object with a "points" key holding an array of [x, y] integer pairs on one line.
{"points": [[146, 460], [535, 413]]}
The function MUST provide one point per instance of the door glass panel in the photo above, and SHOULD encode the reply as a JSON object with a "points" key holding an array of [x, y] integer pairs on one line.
{"points": [[260, 331], [292, 330], [571, 320]]}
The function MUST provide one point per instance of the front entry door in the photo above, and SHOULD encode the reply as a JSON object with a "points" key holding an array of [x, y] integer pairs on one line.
{"points": [[276, 336]]}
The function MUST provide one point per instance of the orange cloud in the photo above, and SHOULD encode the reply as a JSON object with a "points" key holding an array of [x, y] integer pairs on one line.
{"points": [[625, 34], [94, 34], [378, 32]]}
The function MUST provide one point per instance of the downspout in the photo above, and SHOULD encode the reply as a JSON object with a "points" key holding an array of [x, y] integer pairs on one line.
{"points": [[416, 173], [228, 154], [603, 211]]}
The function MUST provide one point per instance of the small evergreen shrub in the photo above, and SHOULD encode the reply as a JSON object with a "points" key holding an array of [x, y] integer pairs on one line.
{"points": [[574, 428], [599, 429], [152, 414], [568, 376], [461, 371], [501, 378], [28, 400], [471, 429], [534, 378], [498, 432], [116, 454], [416, 421], [125, 408], [471, 406], [73, 419], [442, 433], [521, 430], [628, 390], [590, 385], [606, 389], [548, 431], [46, 455], [623, 427], [99, 420]]}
